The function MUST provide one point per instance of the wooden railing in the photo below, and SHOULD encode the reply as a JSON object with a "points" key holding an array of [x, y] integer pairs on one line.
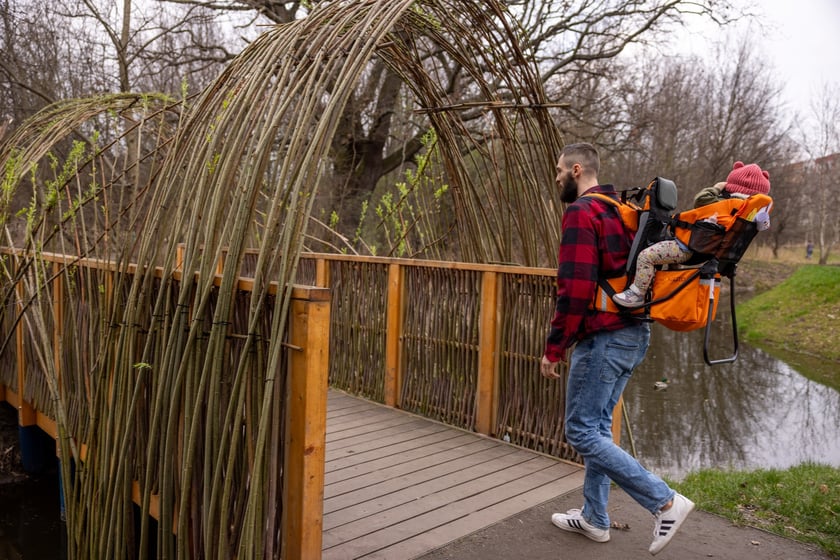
{"points": [[456, 342]]}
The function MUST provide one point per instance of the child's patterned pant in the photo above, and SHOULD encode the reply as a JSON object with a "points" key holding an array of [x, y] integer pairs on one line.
{"points": [[664, 252]]}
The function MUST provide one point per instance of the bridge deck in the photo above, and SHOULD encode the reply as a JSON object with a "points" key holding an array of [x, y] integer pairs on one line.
{"points": [[398, 485]]}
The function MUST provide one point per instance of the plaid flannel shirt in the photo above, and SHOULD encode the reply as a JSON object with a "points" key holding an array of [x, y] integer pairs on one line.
{"points": [[594, 242]]}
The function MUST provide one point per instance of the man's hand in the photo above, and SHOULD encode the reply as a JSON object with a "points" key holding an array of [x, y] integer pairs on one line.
{"points": [[549, 368]]}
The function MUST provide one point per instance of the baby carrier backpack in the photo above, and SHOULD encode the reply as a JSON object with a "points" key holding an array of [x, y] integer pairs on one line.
{"points": [[685, 297]]}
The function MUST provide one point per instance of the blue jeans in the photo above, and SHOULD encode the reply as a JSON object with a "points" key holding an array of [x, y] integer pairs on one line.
{"points": [[600, 368]]}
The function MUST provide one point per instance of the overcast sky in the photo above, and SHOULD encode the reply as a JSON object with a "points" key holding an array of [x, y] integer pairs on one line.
{"points": [[799, 38]]}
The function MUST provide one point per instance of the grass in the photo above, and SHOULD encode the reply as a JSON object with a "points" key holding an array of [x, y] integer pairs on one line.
{"points": [[793, 310], [799, 315], [801, 503]]}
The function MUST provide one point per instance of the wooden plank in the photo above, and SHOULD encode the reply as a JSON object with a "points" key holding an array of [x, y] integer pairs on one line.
{"points": [[26, 412], [393, 430], [423, 263], [506, 484], [457, 474], [58, 325], [472, 522], [616, 420], [322, 273], [367, 421], [411, 473], [12, 397], [339, 400], [337, 409], [436, 452], [394, 436], [336, 462], [407, 493], [393, 329]]}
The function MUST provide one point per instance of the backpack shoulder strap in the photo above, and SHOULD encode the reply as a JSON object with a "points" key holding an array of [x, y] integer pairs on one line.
{"points": [[628, 212]]}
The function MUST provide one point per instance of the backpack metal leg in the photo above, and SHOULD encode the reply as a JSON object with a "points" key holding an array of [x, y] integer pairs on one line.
{"points": [[707, 337]]}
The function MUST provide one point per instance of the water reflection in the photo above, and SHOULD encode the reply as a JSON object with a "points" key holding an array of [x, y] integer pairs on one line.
{"points": [[757, 412]]}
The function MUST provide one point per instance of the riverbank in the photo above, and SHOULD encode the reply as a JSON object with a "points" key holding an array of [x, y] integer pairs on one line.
{"points": [[793, 314]]}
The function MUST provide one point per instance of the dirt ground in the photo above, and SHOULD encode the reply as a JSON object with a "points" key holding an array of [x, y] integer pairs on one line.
{"points": [[703, 535]]}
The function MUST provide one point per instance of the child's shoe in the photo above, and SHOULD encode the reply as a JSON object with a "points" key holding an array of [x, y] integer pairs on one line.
{"points": [[629, 298]]}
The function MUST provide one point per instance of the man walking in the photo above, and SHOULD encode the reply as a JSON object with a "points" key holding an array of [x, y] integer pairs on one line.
{"points": [[608, 346]]}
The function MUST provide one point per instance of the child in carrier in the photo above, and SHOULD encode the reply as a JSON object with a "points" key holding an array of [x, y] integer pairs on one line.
{"points": [[742, 182]]}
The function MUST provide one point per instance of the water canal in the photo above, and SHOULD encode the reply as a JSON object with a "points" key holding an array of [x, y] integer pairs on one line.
{"points": [[758, 412]]}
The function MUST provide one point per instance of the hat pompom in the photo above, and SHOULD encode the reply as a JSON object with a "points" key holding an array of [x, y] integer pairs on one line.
{"points": [[748, 179]]}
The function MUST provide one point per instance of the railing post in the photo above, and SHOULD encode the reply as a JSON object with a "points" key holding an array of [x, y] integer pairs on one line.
{"points": [[220, 265], [26, 414], [393, 328], [488, 354], [616, 420], [306, 424], [179, 258], [322, 273], [58, 322]]}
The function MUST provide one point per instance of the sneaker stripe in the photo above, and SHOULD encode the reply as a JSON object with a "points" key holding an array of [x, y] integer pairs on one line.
{"points": [[665, 527]]}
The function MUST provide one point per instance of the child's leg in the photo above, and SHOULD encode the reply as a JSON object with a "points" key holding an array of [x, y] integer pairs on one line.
{"points": [[664, 252]]}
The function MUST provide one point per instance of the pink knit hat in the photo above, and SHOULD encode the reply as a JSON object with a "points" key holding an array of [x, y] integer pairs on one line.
{"points": [[748, 179]]}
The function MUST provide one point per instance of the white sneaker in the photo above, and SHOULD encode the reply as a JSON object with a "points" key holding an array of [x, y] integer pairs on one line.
{"points": [[667, 522], [629, 299], [574, 522]]}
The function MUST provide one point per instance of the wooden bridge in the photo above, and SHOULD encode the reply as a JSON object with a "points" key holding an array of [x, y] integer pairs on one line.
{"points": [[456, 429]]}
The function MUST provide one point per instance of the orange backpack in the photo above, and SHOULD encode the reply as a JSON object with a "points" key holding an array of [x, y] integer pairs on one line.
{"points": [[684, 298]]}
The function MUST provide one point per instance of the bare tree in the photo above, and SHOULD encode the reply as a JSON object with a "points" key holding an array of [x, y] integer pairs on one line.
{"points": [[822, 172], [153, 46], [35, 55], [689, 121]]}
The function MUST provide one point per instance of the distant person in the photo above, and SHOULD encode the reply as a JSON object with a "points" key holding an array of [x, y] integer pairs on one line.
{"points": [[809, 250], [607, 348], [742, 182]]}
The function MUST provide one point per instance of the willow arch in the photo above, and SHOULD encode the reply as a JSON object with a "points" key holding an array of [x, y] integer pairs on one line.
{"points": [[238, 167]]}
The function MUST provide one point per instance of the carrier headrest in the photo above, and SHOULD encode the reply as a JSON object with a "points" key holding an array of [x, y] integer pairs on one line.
{"points": [[664, 195]]}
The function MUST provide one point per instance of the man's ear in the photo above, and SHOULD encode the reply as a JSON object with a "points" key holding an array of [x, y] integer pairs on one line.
{"points": [[577, 170]]}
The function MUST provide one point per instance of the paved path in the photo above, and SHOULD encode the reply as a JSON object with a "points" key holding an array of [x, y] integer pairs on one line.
{"points": [[531, 535]]}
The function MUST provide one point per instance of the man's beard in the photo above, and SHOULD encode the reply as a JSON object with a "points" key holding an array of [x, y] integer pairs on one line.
{"points": [[569, 189]]}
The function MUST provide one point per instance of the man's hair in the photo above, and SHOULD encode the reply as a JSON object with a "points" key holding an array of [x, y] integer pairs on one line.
{"points": [[583, 153]]}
